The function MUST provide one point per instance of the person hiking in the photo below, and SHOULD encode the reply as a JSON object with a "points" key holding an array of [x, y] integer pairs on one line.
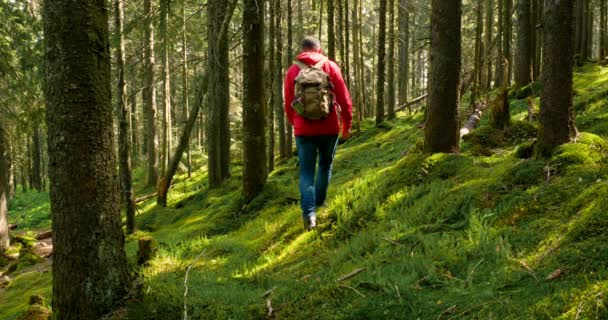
{"points": [[316, 102]]}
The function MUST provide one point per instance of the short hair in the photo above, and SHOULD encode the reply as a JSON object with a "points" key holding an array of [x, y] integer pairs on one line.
{"points": [[311, 43]]}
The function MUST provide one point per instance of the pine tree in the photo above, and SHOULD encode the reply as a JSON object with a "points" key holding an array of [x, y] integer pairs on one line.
{"points": [[442, 125], [89, 262]]}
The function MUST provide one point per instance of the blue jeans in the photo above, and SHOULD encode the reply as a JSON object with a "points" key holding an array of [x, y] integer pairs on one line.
{"points": [[313, 193]]}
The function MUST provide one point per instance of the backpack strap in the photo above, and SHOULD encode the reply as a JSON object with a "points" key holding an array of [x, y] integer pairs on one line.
{"points": [[302, 65], [321, 63]]}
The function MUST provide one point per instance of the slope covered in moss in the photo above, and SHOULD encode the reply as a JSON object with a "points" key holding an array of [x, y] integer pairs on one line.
{"points": [[486, 234]]}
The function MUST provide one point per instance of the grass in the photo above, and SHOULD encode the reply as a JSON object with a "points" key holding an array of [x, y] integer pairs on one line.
{"points": [[468, 236]]}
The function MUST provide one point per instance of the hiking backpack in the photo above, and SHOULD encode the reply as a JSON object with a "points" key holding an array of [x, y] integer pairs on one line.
{"points": [[313, 97]]}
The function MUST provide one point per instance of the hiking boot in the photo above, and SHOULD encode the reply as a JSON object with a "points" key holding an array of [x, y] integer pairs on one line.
{"points": [[310, 223]]}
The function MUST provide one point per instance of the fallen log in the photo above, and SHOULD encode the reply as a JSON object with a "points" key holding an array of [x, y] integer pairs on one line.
{"points": [[474, 118], [44, 235], [144, 198], [407, 104], [12, 226]]}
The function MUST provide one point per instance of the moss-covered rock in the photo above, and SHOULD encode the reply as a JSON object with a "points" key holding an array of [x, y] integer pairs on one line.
{"points": [[588, 150], [36, 312]]}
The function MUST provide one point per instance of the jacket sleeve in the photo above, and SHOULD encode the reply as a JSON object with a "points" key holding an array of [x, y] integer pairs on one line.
{"points": [[342, 97], [288, 94]]}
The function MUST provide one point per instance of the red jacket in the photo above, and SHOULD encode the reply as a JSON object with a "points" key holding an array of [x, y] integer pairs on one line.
{"points": [[331, 124]]}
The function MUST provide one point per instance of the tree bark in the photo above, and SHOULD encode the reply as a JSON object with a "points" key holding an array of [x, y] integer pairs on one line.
{"points": [[272, 45], [185, 84], [442, 124], [499, 74], [404, 52], [488, 43], [557, 124], [254, 105], [166, 121], [523, 65], [602, 47], [124, 146], [135, 147], [506, 41], [539, 40], [478, 52], [381, 64], [391, 61], [4, 229], [89, 262], [290, 57], [149, 96], [331, 36], [278, 81]]}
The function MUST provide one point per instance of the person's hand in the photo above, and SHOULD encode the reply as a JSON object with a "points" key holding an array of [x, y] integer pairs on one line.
{"points": [[345, 135]]}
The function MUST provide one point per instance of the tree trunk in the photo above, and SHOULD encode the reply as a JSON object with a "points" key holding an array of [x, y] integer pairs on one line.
{"points": [[4, 230], [331, 36], [589, 48], [124, 147], [488, 44], [183, 144], [149, 96], [272, 45], [499, 74], [391, 60], [478, 52], [557, 124], [357, 93], [346, 30], [506, 41], [602, 48], [218, 122], [523, 65], [539, 40], [185, 99], [167, 130], [321, 21], [89, 262], [254, 105], [442, 124], [278, 87], [381, 64], [286, 153], [404, 52], [37, 159]]}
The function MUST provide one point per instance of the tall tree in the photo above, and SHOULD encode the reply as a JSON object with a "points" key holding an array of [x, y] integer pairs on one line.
{"points": [[507, 36], [286, 153], [391, 60], [442, 125], [602, 46], [381, 64], [499, 74], [557, 123], [272, 82], [539, 39], [523, 65], [4, 232], [185, 99], [478, 50], [404, 51], [254, 105], [124, 145], [488, 43], [166, 121], [278, 69], [219, 13], [89, 262], [331, 35], [149, 96]]}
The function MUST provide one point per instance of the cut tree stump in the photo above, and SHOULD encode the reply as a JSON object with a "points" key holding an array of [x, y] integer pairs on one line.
{"points": [[147, 249]]}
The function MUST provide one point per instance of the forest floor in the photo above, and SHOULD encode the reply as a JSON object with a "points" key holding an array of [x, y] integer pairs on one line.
{"points": [[485, 234]]}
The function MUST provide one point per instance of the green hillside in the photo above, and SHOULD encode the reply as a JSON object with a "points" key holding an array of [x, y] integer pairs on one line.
{"points": [[486, 234]]}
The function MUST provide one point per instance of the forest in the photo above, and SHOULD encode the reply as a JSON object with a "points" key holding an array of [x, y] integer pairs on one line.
{"points": [[151, 167]]}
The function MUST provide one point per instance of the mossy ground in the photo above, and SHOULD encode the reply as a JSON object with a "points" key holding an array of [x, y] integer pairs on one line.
{"points": [[468, 236]]}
